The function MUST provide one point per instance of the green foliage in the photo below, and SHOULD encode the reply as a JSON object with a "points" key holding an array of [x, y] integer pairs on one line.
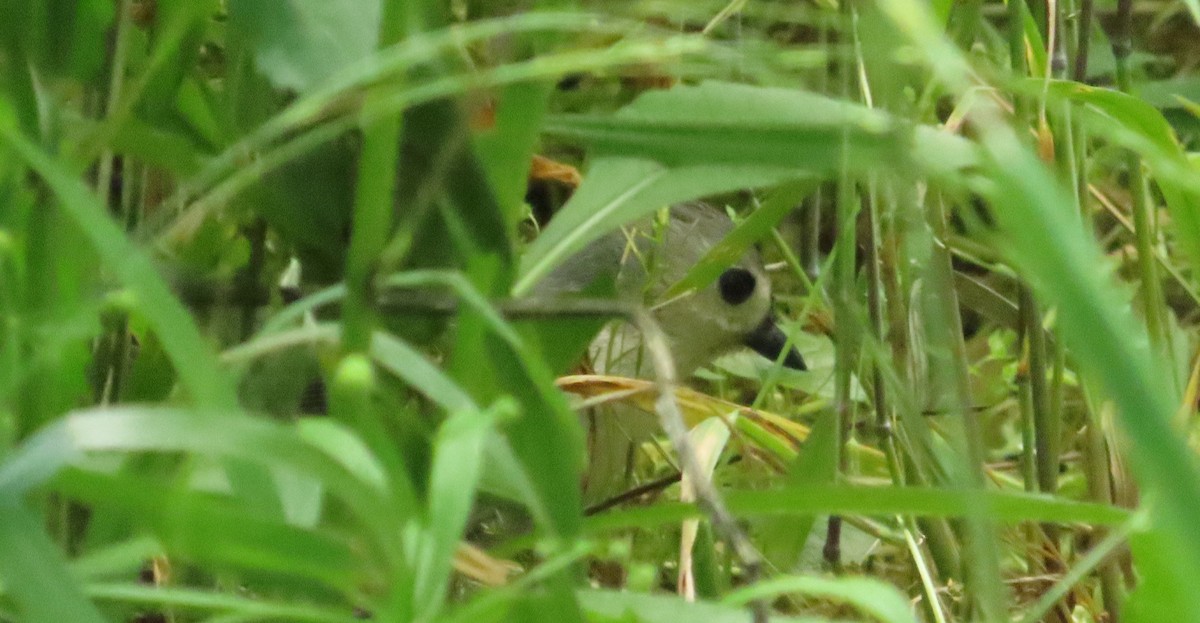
{"points": [[299, 44], [266, 326]]}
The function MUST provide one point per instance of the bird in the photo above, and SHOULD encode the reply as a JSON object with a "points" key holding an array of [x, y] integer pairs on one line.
{"points": [[644, 260]]}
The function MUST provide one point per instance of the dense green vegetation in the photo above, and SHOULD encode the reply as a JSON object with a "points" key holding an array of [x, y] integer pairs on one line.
{"points": [[269, 348]]}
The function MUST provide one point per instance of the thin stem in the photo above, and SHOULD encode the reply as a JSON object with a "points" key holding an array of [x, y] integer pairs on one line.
{"points": [[372, 220], [1016, 53], [249, 277], [1084, 41], [671, 420], [883, 420], [983, 561], [1100, 554], [1025, 404], [1154, 305], [846, 246], [1045, 430], [914, 437], [812, 234], [115, 84], [1097, 469]]}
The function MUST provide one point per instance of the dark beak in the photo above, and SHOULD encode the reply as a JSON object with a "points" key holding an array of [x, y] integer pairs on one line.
{"points": [[769, 341]]}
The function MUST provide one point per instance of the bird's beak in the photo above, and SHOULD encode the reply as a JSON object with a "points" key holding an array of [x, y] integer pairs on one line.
{"points": [[769, 341]]}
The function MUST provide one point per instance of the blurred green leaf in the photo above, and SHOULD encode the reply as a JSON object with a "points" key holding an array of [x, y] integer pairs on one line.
{"points": [[737, 124], [34, 571], [506, 149], [216, 530], [206, 382], [65, 37], [816, 464], [448, 213], [546, 437], [1130, 120], [234, 607], [1193, 7], [178, 28], [619, 190], [454, 477], [340, 443], [407, 364], [1045, 242], [119, 559], [879, 599], [689, 142], [301, 43], [621, 607], [1162, 589], [308, 202], [727, 123], [809, 499], [150, 429], [161, 147]]}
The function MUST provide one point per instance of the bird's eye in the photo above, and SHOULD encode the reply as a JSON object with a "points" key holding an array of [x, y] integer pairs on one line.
{"points": [[736, 285]]}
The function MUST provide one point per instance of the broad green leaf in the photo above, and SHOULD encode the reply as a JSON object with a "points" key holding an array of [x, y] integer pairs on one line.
{"points": [[506, 477], [449, 215], [689, 142], [817, 463], [300, 43], [1132, 113], [159, 146], [734, 124], [737, 124], [120, 559], [1172, 92], [308, 202]]}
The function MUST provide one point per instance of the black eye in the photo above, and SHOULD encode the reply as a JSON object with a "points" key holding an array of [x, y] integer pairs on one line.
{"points": [[736, 285]]}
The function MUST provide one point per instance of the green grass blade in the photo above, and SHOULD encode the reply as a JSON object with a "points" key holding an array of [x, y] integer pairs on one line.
{"points": [[207, 383], [875, 597], [1009, 507]]}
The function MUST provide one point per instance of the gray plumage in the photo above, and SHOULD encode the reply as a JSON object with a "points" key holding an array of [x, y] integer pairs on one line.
{"points": [[643, 260]]}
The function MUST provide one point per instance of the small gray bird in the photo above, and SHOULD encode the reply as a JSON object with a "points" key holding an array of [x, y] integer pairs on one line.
{"points": [[644, 260]]}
